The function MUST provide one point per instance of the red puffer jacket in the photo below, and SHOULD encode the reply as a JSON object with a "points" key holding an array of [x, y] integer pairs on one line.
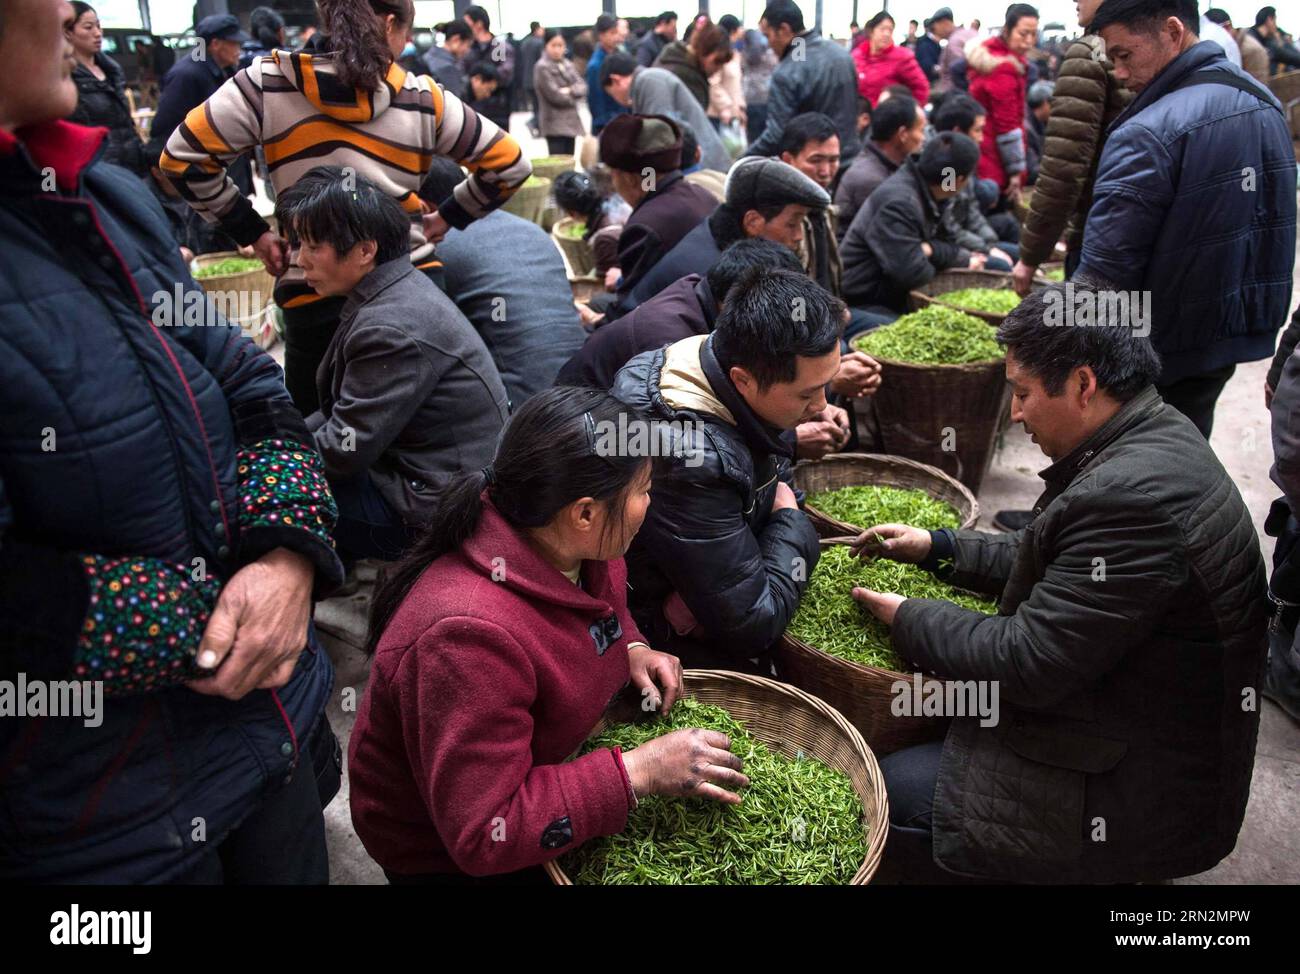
{"points": [[893, 66], [999, 82]]}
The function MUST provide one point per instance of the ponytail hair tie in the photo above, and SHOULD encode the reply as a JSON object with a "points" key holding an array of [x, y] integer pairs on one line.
{"points": [[489, 476]]}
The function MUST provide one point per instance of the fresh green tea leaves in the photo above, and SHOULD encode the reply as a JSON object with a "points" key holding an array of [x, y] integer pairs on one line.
{"points": [[869, 506], [935, 335]]}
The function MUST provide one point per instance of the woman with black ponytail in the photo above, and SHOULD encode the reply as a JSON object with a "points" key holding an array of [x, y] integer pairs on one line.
{"points": [[498, 643], [344, 102]]}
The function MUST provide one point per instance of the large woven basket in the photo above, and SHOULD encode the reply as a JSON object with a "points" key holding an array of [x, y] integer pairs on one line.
{"points": [[863, 694], [244, 298], [1286, 87], [585, 288], [577, 251], [529, 200], [947, 416], [793, 722], [959, 280], [878, 470], [548, 167]]}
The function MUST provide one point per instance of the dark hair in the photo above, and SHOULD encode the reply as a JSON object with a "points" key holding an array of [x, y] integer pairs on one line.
{"points": [[958, 112], [726, 222], [80, 9], [353, 29], [1218, 16], [744, 254], [786, 12], [948, 152], [533, 25], [576, 192], [456, 28], [667, 17], [890, 116], [711, 39], [441, 180], [1017, 11], [690, 145], [879, 19], [1264, 14], [551, 33], [619, 63], [546, 459], [605, 23], [323, 207], [1124, 361], [772, 317], [1145, 16], [478, 15], [485, 70], [805, 128], [729, 23], [265, 25]]}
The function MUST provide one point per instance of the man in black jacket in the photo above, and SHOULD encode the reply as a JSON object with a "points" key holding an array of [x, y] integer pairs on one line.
{"points": [[724, 554], [655, 40], [1128, 649], [894, 243]]}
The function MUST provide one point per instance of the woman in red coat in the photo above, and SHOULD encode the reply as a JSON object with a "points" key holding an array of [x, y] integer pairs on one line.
{"points": [[882, 63], [998, 72], [499, 642]]}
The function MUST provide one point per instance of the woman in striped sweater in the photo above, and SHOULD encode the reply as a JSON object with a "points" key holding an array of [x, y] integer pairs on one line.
{"points": [[343, 102]]}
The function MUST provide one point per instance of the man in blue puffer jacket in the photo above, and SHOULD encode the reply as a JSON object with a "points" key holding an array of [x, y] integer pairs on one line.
{"points": [[164, 523], [1195, 201]]}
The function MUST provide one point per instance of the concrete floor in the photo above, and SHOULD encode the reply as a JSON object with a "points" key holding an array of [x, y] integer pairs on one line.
{"points": [[1268, 847]]}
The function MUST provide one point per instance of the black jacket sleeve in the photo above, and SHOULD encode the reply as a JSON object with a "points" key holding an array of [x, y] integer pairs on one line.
{"points": [[742, 588]]}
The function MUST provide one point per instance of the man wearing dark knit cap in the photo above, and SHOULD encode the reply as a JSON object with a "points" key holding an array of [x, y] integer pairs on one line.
{"points": [[765, 198], [644, 155]]}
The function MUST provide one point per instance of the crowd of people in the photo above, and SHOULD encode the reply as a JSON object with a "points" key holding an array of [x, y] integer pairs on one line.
{"points": [[172, 503]]}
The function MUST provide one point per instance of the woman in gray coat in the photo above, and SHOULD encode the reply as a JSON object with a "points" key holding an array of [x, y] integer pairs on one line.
{"points": [[559, 90]]}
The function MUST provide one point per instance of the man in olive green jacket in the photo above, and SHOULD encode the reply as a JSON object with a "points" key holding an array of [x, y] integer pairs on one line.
{"points": [[1086, 100]]}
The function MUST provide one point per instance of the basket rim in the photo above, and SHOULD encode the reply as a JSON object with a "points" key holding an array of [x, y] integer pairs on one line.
{"points": [[880, 828], [967, 494]]}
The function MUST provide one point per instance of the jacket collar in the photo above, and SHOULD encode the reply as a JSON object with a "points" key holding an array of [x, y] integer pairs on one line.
{"points": [[380, 279], [928, 202], [496, 542], [875, 150], [65, 148], [1141, 407], [662, 182], [811, 35], [1203, 55], [758, 434], [708, 303]]}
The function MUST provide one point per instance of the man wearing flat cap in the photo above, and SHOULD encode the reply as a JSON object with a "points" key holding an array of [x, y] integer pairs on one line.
{"points": [[191, 81], [765, 198], [644, 155]]}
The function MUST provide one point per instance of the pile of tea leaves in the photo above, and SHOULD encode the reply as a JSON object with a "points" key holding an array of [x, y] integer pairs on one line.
{"points": [[800, 821], [998, 301], [231, 265], [935, 335], [866, 507]]}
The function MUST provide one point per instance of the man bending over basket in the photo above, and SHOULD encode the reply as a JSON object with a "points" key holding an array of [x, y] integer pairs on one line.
{"points": [[1129, 642]]}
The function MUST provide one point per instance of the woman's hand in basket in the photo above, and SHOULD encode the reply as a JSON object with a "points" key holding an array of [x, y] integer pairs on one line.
{"points": [[692, 763], [657, 675]]}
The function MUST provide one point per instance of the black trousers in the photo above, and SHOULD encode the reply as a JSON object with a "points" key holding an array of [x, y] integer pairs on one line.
{"points": [[559, 145], [1196, 396]]}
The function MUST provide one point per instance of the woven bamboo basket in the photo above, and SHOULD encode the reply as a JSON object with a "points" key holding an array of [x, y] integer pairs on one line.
{"points": [[548, 167], [577, 251], [584, 288], [947, 416], [1286, 87], [878, 470], [530, 199], [243, 298], [793, 722], [959, 280], [862, 693], [1050, 265]]}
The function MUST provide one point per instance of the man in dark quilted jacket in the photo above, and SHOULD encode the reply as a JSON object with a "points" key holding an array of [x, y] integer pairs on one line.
{"points": [[1128, 648], [164, 525]]}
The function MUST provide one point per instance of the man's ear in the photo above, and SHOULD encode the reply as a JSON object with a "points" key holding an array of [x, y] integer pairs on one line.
{"points": [[741, 378], [369, 251], [787, 158], [1086, 381], [753, 223]]}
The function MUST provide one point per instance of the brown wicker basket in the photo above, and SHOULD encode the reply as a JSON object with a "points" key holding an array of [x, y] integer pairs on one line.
{"points": [[243, 298], [1286, 87], [577, 251], [877, 470], [947, 416], [585, 288], [791, 721], [861, 693], [959, 280], [548, 167], [529, 200]]}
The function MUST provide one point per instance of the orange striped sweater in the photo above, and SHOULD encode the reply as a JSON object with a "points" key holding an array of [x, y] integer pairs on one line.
{"points": [[293, 105]]}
